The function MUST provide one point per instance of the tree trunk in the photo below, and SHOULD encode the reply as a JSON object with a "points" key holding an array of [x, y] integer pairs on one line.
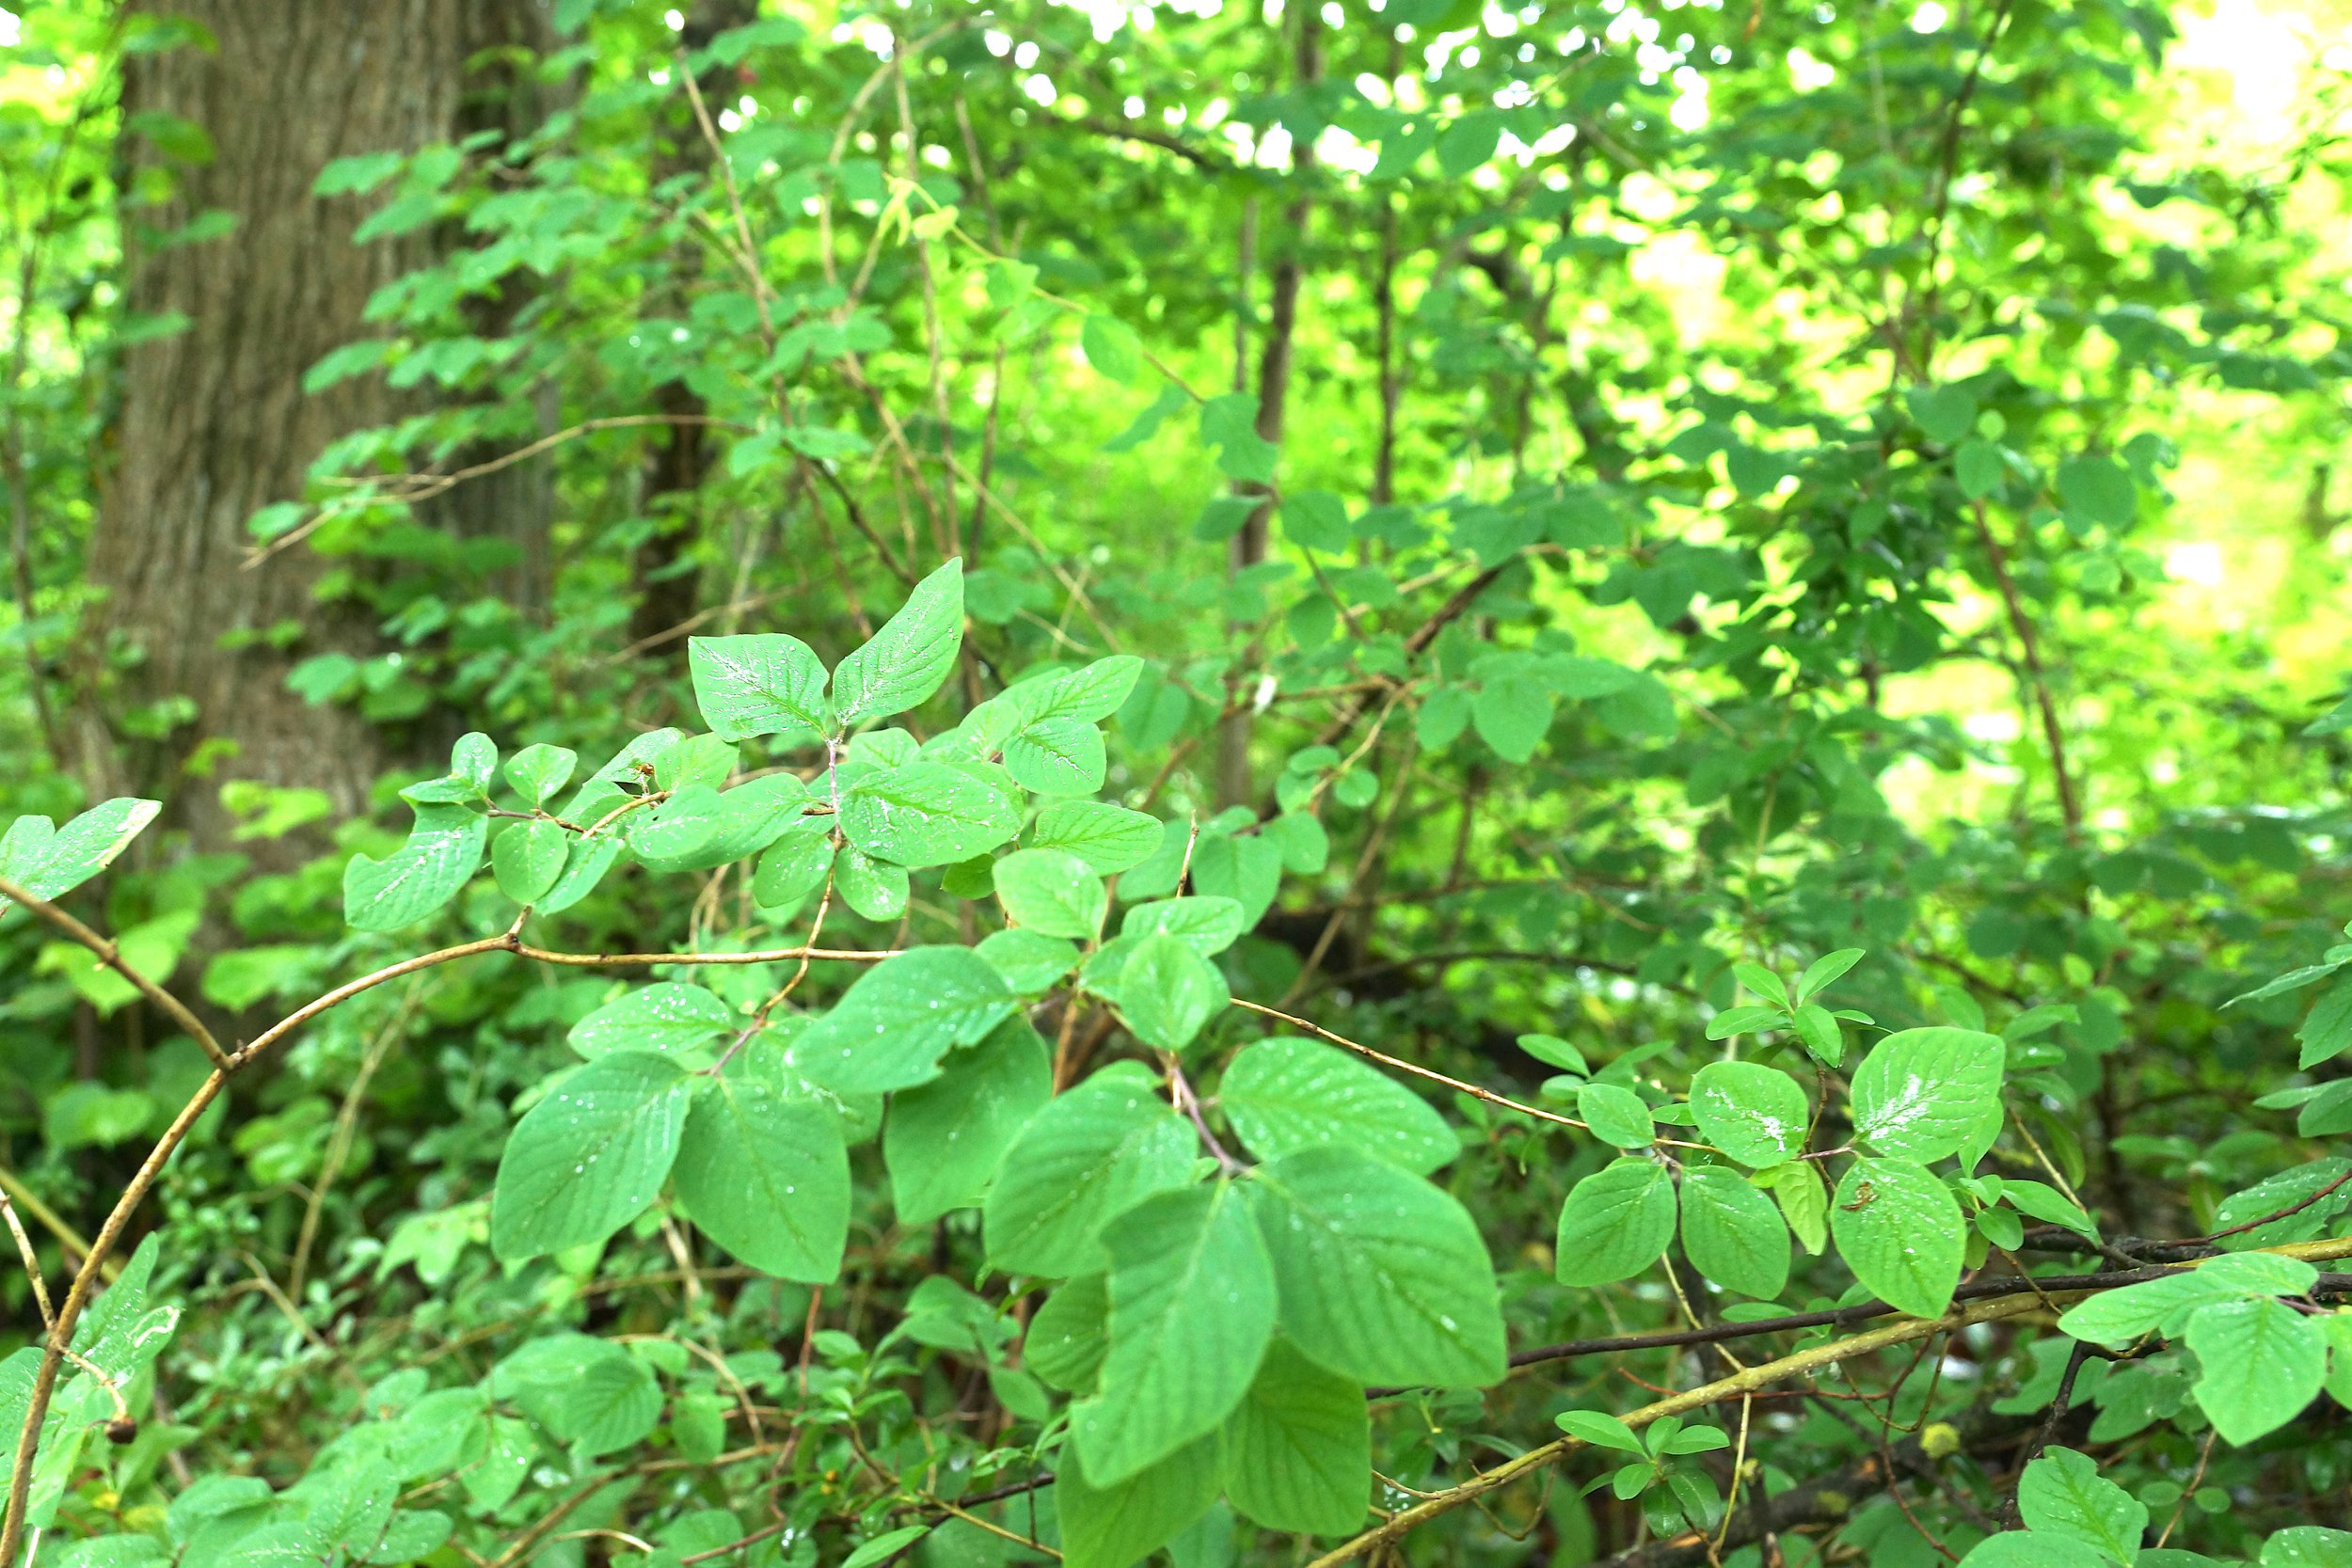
{"points": [[215, 424], [668, 584]]}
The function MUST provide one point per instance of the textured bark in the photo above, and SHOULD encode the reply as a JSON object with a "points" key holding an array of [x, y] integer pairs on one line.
{"points": [[215, 424], [668, 587]]}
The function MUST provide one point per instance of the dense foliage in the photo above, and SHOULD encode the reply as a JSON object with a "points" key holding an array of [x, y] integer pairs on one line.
{"points": [[1394, 781]]}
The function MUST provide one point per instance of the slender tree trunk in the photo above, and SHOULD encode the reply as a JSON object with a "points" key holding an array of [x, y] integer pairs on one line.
{"points": [[1249, 546], [215, 424], [668, 584]]}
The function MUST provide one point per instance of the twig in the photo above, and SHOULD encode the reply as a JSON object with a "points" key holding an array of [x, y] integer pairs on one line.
{"points": [[2070, 802], [408, 489], [1734, 1387], [50, 1219], [111, 956], [32, 1263], [55, 1350], [1473, 1090], [339, 1142]]}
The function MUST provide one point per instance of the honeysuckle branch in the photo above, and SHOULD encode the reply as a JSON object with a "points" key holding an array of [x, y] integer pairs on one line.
{"points": [[1474, 1091], [110, 955], [32, 1261], [56, 1349], [1749, 1380]]}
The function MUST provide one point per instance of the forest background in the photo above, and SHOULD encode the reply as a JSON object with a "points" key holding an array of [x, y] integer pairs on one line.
{"points": [[1601, 713]]}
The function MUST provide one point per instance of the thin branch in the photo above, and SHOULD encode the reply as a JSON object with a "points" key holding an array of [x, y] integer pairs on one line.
{"points": [[32, 1263], [1473, 1090], [57, 1350], [111, 956], [1734, 1387], [2070, 802], [409, 489]]}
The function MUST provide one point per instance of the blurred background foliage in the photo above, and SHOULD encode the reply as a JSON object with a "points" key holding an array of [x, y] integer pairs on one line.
{"points": [[1940, 407]]}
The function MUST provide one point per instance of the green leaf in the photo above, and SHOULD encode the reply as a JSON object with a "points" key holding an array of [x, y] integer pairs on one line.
{"points": [[925, 814], [583, 868], [1762, 982], [1825, 972], [442, 852], [1599, 1429], [1059, 756], [529, 857], [1247, 870], [587, 1392], [536, 773], [767, 1179], [1304, 844], [762, 683], [1029, 961], [1555, 1052], [1977, 467], [1168, 991], [1817, 1026], [2308, 1546], [50, 863], [2063, 1494], [1743, 1020], [1052, 893], [906, 660], [885, 1545], [2116, 1317], [1209, 924], [589, 1157], [1901, 1230], [668, 1018], [2097, 490], [945, 1139], [2294, 979], [1298, 1449], [1383, 1277], [1616, 1115], [2041, 1201], [2020, 1548], [1092, 1153], [1111, 346], [890, 1028], [673, 833], [1616, 1221], [742, 822], [875, 889], [2289, 1189], [1732, 1234], [1317, 520], [1757, 1115], [2326, 1031], [1919, 1094], [795, 865], [1468, 141], [1228, 423], [2259, 1363], [1512, 714], [1091, 692], [1070, 1336], [1803, 1199], [1285, 1095], [1114, 1527], [1109, 838], [1445, 713], [1945, 413], [603, 791], [1192, 1307]]}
